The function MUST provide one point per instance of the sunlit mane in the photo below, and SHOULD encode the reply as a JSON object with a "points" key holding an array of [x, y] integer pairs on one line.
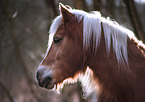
{"points": [[75, 63], [114, 33]]}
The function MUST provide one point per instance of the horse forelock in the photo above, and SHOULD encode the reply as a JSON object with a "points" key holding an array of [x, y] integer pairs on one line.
{"points": [[114, 33], [53, 29]]}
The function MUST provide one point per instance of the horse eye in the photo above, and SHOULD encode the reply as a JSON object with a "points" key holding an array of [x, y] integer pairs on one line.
{"points": [[56, 40]]}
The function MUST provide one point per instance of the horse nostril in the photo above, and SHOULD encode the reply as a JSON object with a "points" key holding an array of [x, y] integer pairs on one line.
{"points": [[47, 81], [44, 77]]}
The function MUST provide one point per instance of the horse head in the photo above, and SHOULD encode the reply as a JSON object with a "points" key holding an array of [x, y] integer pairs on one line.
{"points": [[64, 57]]}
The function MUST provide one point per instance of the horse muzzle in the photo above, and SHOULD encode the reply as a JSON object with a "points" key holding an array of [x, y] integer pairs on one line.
{"points": [[44, 77]]}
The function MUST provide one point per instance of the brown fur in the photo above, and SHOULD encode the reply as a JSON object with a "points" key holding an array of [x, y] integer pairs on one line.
{"points": [[66, 64], [119, 83]]}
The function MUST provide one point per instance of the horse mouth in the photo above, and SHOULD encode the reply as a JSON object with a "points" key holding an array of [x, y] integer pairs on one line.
{"points": [[49, 86], [49, 82], [66, 81]]}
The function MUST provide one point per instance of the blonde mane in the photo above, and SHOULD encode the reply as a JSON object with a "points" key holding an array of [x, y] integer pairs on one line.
{"points": [[114, 33], [101, 80]]}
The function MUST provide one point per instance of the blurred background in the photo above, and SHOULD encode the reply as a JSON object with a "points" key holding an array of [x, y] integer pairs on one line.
{"points": [[24, 26]]}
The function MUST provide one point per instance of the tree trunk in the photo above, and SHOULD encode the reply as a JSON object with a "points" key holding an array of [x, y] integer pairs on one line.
{"points": [[132, 12], [51, 3], [97, 5], [10, 23], [80, 4]]}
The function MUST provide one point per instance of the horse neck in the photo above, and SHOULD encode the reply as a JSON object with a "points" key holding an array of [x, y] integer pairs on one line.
{"points": [[136, 55], [113, 76]]}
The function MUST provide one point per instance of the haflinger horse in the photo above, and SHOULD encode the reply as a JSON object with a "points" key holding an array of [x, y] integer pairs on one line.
{"points": [[79, 39]]}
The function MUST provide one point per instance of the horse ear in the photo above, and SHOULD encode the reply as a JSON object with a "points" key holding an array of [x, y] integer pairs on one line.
{"points": [[67, 16]]}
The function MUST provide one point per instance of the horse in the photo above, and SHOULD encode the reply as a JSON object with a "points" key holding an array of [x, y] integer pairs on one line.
{"points": [[78, 39]]}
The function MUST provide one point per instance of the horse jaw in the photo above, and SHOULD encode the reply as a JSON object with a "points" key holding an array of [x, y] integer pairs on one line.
{"points": [[70, 80], [88, 83]]}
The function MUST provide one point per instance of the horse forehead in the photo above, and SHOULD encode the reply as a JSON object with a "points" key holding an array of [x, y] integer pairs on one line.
{"points": [[69, 28], [61, 30]]}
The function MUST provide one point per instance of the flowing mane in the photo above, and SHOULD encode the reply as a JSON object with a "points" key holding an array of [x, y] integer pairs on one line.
{"points": [[114, 33], [116, 57]]}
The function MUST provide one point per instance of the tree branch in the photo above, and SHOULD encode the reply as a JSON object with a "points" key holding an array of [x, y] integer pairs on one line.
{"points": [[97, 5]]}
